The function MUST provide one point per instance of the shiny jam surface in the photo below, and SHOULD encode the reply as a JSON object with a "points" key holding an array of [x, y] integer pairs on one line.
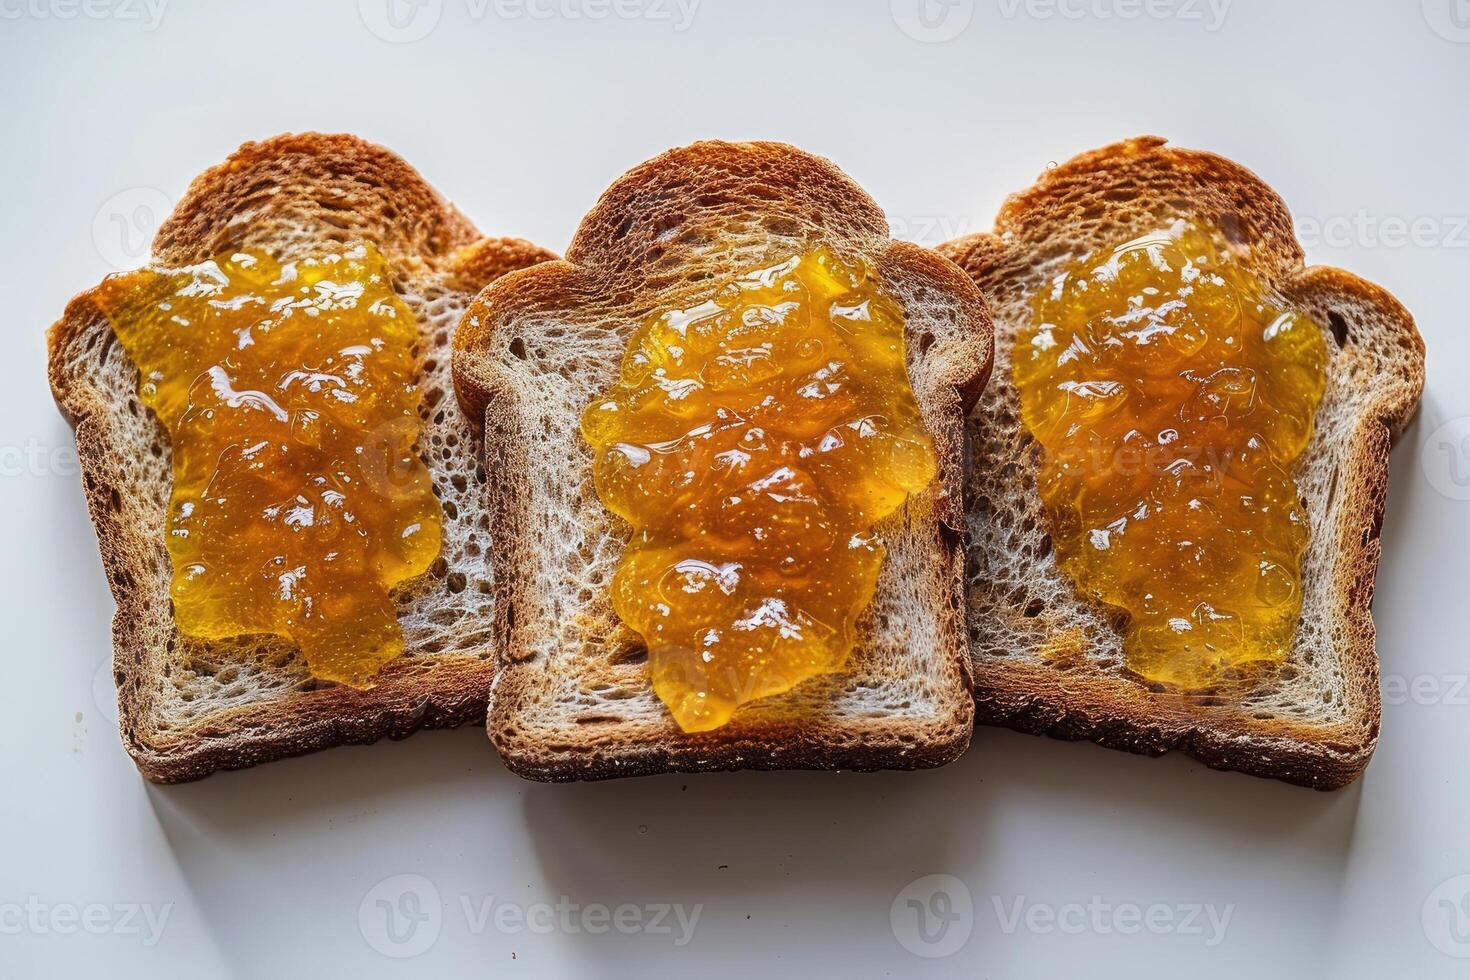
{"points": [[1172, 397], [752, 441], [289, 396]]}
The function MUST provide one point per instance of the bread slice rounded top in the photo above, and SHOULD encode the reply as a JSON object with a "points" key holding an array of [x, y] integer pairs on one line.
{"points": [[572, 699], [188, 708], [1048, 661]]}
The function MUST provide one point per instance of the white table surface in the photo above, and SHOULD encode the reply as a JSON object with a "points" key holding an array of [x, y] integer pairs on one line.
{"points": [[522, 111]]}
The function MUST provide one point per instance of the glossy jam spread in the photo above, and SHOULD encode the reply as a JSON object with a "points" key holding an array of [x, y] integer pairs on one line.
{"points": [[289, 396], [1172, 397], [752, 441]]}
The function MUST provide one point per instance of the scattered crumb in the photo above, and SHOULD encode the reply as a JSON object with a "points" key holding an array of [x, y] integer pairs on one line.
{"points": [[78, 735]]}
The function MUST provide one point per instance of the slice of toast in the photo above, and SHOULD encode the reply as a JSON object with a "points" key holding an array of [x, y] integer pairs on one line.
{"points": [[188, 708], [1046, 660], [572, 699]]}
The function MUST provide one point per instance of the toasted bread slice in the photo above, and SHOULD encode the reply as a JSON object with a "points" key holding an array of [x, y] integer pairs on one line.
{"points": [[186, 708], [572, 699], [1048, 661]]}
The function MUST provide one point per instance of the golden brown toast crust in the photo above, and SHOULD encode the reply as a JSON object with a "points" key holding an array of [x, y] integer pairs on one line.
{"points": [[283, 195], [572, 699], [1100, 198]]}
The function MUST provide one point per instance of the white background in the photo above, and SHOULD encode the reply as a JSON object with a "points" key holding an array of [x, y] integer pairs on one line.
{"points": [[1355, 112]]}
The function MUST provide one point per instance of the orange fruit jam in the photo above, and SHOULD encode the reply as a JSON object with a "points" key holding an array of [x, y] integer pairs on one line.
{"points": [[1172, 397], [752, 441], [289, 396]]}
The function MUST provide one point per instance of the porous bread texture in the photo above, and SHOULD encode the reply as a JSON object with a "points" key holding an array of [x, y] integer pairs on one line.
{"points": [[188, 708], [1046, 660], [572, 699]]}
